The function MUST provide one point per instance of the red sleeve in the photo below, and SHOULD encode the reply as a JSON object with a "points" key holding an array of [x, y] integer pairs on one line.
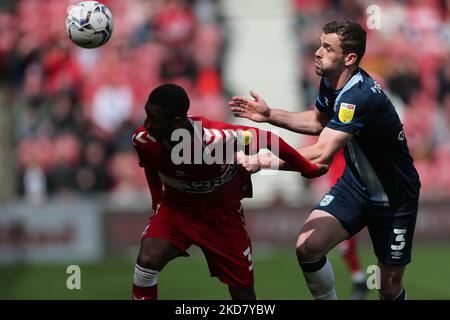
{"points": [[153, 179], [269, 140], [155, 185], [141, 141], [141, 157]]}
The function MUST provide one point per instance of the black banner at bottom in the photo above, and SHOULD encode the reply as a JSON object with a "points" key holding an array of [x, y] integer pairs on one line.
{"points": [[217, 309]]}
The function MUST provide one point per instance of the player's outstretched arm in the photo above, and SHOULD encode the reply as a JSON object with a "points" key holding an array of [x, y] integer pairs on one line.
{"points": [[295, 159], [268, 161], [271, 141], [307, 122], [321, 153], [255, 139], [329, 143]]}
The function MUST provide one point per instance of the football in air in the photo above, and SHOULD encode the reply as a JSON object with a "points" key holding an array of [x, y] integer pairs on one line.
{"points": [[89, 24]]}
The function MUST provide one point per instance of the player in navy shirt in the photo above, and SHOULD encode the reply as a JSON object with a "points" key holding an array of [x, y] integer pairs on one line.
{"points": [[380, 185]]}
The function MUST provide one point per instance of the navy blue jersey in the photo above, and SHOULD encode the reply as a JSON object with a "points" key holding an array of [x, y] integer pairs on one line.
{"points": [[378, 162]]}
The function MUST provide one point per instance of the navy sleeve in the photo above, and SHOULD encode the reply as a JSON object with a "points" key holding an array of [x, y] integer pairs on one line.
{"points": [[353, 111], [320, 100]]}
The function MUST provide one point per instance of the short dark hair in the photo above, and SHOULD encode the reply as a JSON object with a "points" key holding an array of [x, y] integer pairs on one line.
{"points": [[172, 98], [351, 34]]}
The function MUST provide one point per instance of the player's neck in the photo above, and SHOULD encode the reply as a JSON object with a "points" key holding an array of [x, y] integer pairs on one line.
{"points": [[339, 81]]}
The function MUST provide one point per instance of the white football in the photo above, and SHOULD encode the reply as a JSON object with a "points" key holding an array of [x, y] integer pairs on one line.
{"points": [[89, 24]]}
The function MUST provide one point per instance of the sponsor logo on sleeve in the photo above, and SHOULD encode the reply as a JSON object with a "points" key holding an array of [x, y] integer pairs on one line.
{"points": [[327, 199], [346, 112]]}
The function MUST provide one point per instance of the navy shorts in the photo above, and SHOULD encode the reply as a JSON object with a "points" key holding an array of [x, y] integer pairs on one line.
{"points": [[391, 228]]}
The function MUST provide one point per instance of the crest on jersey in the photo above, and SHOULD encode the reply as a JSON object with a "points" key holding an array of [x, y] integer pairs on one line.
{"points": [[346, 112], [327, 199]]}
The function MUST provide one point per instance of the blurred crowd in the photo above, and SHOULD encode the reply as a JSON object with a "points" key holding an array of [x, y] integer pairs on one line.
{"points": [[75, 109], [408, 53]]}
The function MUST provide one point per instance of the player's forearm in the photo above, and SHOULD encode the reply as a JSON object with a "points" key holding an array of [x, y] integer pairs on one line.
{"points": [[292, 157], [302, 122], [317, 153], [311, 153], [269, 161]]}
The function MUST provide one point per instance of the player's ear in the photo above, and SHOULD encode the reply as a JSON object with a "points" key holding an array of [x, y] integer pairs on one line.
{"points": [[350, 58]]}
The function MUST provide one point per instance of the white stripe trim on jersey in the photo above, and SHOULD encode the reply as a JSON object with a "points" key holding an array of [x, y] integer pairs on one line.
{"points": [[204, 186], [367, 174], [139, 137], [353, 81]]}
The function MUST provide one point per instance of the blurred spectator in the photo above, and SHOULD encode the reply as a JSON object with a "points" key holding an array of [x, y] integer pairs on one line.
{"points": [[175, 23], [66, 153], [403, 79], [92, 175], [75, 109], [34, 184], [444, 80], [111, 106], [178, 63], [62, 114], [127, 177]]}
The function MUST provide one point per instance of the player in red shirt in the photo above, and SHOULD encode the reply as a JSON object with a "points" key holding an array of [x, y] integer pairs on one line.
{"points": [[198, 201]]}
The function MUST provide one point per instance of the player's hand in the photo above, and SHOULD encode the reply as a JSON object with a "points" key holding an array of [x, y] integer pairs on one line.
{"points": [[248, 164], [256, 109]]}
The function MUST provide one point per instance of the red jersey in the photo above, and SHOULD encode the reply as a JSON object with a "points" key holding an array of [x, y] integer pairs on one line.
{"points": [[188, 185]]}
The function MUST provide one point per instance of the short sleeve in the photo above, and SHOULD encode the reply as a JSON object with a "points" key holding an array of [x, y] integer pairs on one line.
{"points": [[141, 142], [320, 100], [353, 111], [142, 159]]}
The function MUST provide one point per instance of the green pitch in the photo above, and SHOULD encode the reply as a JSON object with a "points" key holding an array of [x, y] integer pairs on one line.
{"points": [[276, 272]]}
